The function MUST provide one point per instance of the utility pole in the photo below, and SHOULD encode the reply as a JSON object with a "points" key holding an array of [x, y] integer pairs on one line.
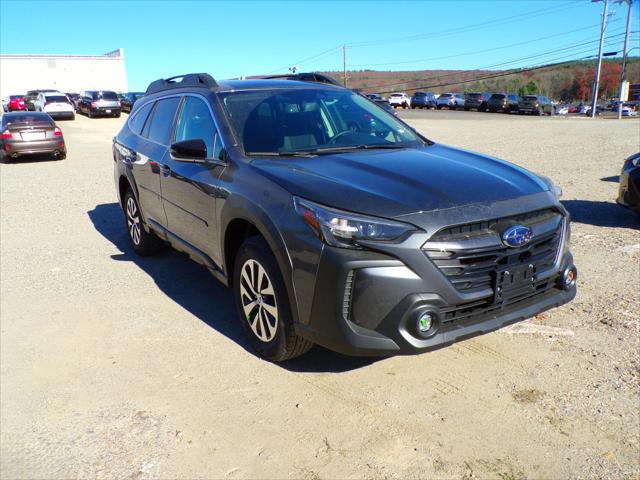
{"points": [[623, 74], [344, 65], [605, 14]]}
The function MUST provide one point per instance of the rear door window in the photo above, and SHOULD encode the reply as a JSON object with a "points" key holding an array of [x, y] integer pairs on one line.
{"points": [[159, 127], [136, 122]]}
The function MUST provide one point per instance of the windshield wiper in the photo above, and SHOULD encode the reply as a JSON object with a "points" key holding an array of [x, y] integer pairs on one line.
{"points": [[278, 154], [325, 150], [347, 148]]}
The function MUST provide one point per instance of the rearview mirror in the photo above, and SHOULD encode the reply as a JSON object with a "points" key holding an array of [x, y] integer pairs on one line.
{"points": [[194, 150]]}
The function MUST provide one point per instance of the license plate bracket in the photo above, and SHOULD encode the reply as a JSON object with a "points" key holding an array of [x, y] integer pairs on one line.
{"points": [[30, 136], [514, 281]]}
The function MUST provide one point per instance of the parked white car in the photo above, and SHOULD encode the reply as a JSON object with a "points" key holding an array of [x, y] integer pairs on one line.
{"points": [[628, 112], [562, 110], [56, 104], [399, 100]]}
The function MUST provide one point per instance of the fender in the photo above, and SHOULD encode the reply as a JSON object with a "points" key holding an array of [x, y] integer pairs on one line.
{"points": [[238, 207]]}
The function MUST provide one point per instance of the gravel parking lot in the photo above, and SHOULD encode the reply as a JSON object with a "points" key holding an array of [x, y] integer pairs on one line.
{"points": [[114, 366]]}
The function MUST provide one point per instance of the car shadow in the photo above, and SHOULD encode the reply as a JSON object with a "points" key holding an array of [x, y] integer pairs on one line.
{"points": [[601, 214], [33, 158], [192, 286], [613, 178]]}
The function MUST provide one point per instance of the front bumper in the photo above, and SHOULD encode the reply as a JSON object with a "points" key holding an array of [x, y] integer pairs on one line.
{"points": [[373, 312]]}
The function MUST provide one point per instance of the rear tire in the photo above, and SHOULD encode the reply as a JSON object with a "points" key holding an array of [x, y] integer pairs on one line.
{"points": [[144, 243], [263, 304]]}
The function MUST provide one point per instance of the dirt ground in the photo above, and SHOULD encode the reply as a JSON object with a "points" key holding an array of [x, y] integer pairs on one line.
{"points": [[114, 366]]}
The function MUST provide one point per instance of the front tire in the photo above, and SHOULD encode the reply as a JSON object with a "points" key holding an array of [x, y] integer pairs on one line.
{"points": [[144, 243], [263, 304]]}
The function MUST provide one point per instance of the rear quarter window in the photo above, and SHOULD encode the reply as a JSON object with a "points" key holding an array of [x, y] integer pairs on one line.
{"points": [[159, 127], [136, 122]]}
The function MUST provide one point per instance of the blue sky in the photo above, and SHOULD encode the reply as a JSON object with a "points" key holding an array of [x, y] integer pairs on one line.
{"points": [[229, 39]]}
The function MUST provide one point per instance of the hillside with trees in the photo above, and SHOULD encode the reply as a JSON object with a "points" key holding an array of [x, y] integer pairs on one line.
{"points": [[570, 81]]}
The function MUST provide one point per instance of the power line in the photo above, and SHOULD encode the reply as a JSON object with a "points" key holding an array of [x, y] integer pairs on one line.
{"points": [[502, 74], [477, 26], [487, 67], [304, 60], [475, 52]]}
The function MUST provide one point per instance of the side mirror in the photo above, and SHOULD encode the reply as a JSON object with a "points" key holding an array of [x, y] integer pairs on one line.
{"points": [[194, 150]]}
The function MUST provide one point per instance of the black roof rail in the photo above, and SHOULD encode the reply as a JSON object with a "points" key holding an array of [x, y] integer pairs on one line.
{"points": [[203, 80], [306, 77]]}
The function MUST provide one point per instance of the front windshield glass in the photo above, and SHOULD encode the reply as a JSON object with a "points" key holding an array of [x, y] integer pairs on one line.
{"points": [[312, 120]]}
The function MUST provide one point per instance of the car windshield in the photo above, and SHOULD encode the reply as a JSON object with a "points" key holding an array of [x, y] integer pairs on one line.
{"points": [[498, 96], [446, 95], [419, 94], [290, 121], [474, 95], [395, 95], [529, 97], [15, 97]]}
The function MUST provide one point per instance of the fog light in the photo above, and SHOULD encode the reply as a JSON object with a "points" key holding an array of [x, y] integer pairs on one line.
{"points": [[569, 277], [425, 322]]}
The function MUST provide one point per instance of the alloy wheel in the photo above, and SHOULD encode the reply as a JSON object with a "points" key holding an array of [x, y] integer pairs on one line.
{"points": [[133, 221], [258, 300]]}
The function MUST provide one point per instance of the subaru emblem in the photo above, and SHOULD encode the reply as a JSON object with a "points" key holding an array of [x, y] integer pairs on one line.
{"points": [[516, 236]]}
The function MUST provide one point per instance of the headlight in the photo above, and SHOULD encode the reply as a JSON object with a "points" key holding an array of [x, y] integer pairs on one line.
{"points": [[342, 229], [555, 189]]}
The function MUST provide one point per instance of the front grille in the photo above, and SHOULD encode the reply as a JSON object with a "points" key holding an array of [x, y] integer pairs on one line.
{"points": [[472, 255]]}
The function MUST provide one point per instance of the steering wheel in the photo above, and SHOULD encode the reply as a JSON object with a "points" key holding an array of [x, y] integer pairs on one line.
{"points": [[340, 135]]}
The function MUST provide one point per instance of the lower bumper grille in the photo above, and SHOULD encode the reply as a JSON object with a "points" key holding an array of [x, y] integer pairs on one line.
{"points": [[478, 311]]}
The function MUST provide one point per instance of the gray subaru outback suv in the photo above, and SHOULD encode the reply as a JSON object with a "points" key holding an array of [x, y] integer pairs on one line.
{"points": [[334, 222]]}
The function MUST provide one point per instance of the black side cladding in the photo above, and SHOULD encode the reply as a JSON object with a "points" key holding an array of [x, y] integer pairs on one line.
{"points": [[203, 80]]}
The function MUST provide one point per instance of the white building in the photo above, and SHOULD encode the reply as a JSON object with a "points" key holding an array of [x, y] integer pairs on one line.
{"points": [[67, 73]]}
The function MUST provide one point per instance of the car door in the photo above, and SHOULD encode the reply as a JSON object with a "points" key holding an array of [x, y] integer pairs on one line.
{"points": [[151, 146], [190, 188]]}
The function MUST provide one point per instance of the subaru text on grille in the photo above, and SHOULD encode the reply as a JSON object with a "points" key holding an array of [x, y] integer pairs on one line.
{"points": [[333, 221]]}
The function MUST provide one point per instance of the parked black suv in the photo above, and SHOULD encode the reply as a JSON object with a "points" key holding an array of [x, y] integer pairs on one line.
{"points": [[476, 100], [503, 102], [99, 103], [334, 222]]}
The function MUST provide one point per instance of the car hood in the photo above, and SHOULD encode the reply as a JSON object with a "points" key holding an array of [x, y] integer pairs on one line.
{"points": [[392, 183]]}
